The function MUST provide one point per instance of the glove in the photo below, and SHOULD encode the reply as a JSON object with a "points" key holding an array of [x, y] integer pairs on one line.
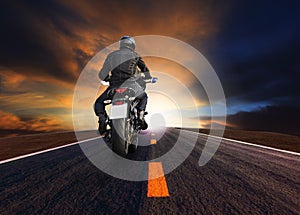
{"points": [[107, 78], [147, 75]]}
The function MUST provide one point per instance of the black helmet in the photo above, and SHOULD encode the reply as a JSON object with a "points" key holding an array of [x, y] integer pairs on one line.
{"points": [[127, 42]]}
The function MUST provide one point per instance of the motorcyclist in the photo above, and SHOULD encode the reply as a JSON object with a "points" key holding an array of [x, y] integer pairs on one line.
{"points": [[118, 67]]}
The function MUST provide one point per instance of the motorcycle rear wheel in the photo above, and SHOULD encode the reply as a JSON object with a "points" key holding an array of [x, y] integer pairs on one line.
{"points": [[134, 143], [119, 137]]}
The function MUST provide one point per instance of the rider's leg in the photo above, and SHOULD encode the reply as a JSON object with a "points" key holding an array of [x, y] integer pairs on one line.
{"points": [[143, 98], [99, 108]]}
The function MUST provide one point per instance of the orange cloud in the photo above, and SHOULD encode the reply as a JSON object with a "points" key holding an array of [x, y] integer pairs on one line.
{"points": [[46, 124], [207, 123], [182, 18], [66, 100], [13, 122], [104, 22], [11, 79], [172, 68], [46, 99], [10, 121], [70, 44], [26, 94]]}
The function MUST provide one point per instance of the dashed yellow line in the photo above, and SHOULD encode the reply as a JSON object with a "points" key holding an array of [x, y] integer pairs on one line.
{"points": [[157, 185], [153, 141]]}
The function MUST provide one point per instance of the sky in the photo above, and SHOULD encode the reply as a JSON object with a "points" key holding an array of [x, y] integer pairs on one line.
{"points": [[253, 47]]}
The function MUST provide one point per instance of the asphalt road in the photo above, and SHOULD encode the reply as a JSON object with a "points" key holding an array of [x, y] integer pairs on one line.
{"points": [[239, 179]]}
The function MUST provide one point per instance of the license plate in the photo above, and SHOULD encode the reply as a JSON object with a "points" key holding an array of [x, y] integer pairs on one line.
{"points": [[118, 111]]}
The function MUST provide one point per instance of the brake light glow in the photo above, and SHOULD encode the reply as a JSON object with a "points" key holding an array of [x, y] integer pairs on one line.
{"points": [[121, 90], [118, 103]]}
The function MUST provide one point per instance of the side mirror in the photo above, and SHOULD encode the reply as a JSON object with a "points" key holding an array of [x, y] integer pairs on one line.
{"points": [[153, 80]]}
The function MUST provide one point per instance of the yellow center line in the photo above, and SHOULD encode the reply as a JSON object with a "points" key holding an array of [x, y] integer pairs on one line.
{"points": [[153, 141], [157, 185]]}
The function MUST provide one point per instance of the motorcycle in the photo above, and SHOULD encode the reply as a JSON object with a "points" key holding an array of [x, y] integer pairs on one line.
{"points": [[123, 119]]}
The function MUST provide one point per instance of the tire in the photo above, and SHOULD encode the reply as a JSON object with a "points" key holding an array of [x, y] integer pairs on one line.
{"points": [[119, 140], [134, 143]]}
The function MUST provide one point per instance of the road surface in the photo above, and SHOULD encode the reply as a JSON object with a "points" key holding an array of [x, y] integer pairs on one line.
{"points": [[239, 179]]}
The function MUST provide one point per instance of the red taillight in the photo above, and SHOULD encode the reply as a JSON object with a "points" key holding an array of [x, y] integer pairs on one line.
{"points": [[121, 90], [118, 103]]}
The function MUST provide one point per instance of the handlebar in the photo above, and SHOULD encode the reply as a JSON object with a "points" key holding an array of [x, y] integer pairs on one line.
{"points": [[151, 80]]}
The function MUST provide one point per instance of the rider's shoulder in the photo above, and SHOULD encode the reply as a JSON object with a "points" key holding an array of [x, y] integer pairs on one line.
{"points": [[124, 51], [113, 52], [136, 54]]}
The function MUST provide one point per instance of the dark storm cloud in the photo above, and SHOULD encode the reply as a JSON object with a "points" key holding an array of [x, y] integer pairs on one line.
{"points": [[256, 55], [257, 52], [273, 78], [271, 118], [38, 41], [24, 43], [283, 119], [59, 37]]}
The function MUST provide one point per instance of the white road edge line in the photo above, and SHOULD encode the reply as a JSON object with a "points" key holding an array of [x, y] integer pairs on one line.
{"points": [[44, 151], [71, 144], [247, 143]]}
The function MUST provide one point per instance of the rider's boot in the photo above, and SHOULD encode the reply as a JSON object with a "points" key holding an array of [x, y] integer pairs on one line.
{"points": [[102, 124], [142, 121]]}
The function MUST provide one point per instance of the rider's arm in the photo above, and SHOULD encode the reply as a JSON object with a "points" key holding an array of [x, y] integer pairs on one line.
{"points": [[141, 64], [104, 72]]}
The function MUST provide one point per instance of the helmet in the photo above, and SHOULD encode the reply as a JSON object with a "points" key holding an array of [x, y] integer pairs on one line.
{"points": [[127, 42]]}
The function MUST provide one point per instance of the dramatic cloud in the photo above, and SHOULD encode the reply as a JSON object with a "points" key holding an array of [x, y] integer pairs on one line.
{"points": [[47, 44], [39, 124], [254, 48], [58, 38], [257, 53], [35, 103], [271, 118]]}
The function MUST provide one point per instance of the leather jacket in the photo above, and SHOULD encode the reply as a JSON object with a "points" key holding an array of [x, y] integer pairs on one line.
{"points": [[122, 64]]}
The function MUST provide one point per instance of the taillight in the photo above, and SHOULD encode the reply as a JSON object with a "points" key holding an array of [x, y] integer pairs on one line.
{"points": [[118, 103], [120, 90]]}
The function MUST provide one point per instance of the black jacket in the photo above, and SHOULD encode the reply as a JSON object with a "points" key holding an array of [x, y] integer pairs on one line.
{"points": [[122, 64]]}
